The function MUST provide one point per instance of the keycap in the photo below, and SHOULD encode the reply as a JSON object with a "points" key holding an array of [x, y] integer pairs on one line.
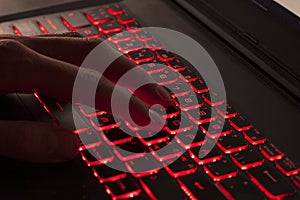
{"points": [[130, 150], [122, 189], [6, 29], [188, 102], [296, 180], [89, 139], [181, 167], [116, 136], [133, 27], [144, 166], [110, 26], [229, 113], [170, 112], [88, 111], [190, 139], [270, 182], [153, 67], [98, 15], [115, 9], [131, 45], [104, 122], [74, 20], [239, 123], [162, 186], [240, 187], [287, 167], [210, 156], [176, 65], [232, 143], [201, 115], [165, 55], [141, 56], [187, 75], [97, 155], [247, 159], [124, 18], [220, 170], [174, 150], [199, 86], [165, 77], [179, 88], [178, 124], [116, 37], [271, 152], [153, 45], [198, 186], [52, 24], [104, 173], [143, 35], [254, 136], [91, 32], [27, 28], [212, 99], [216, 129], [149, 138]]}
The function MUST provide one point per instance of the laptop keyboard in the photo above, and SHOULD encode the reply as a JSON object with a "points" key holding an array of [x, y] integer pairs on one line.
{"points": [[243, 164]]}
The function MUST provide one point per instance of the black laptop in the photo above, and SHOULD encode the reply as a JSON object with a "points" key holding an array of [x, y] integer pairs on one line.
{"points": [[256, 46]]}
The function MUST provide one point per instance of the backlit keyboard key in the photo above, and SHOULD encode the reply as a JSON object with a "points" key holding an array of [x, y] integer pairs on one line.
{"points": [[254, 137], [214, 129], [271, 152], [203, 156], [179, 88], [27, 28], [143, 35], [240, 187], [5, 29], [131, 45], [190, 139], [98, 15], [229, 113], [122, 189], [296, 180], [247, 159], [199, 86], [187, 75], [133, 27], [162, 186], [130, 150], [174, 150], [239, 123], [178, 124], [153, 67], [153, 45], [141, 56], [220, 170], [91, 32], [165, 55], [104, 173], [116, 136], [176, 65], [189, 102], [110, 26], [270, 182], [52, 24], [75, 20], [181, 167], [115, 9], [165, 77], [198, 186], [89, 112], [89, 139], [213, 99], [201, 115], [125, 18], [287, 167], [104, 122], [149, 138], [232, 143], [170, 112], [116, 37], [97, 155], [144, 166]]}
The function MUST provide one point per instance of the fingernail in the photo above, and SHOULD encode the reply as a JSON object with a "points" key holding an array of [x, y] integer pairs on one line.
{"points": [[163, 93]]}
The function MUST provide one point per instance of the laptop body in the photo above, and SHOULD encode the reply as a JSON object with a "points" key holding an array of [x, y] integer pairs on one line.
{"points": [[71, 180]]}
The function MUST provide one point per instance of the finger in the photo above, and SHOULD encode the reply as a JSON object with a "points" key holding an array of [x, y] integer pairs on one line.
{"points": [[55, 78], [37, 142], [74, 50]]}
